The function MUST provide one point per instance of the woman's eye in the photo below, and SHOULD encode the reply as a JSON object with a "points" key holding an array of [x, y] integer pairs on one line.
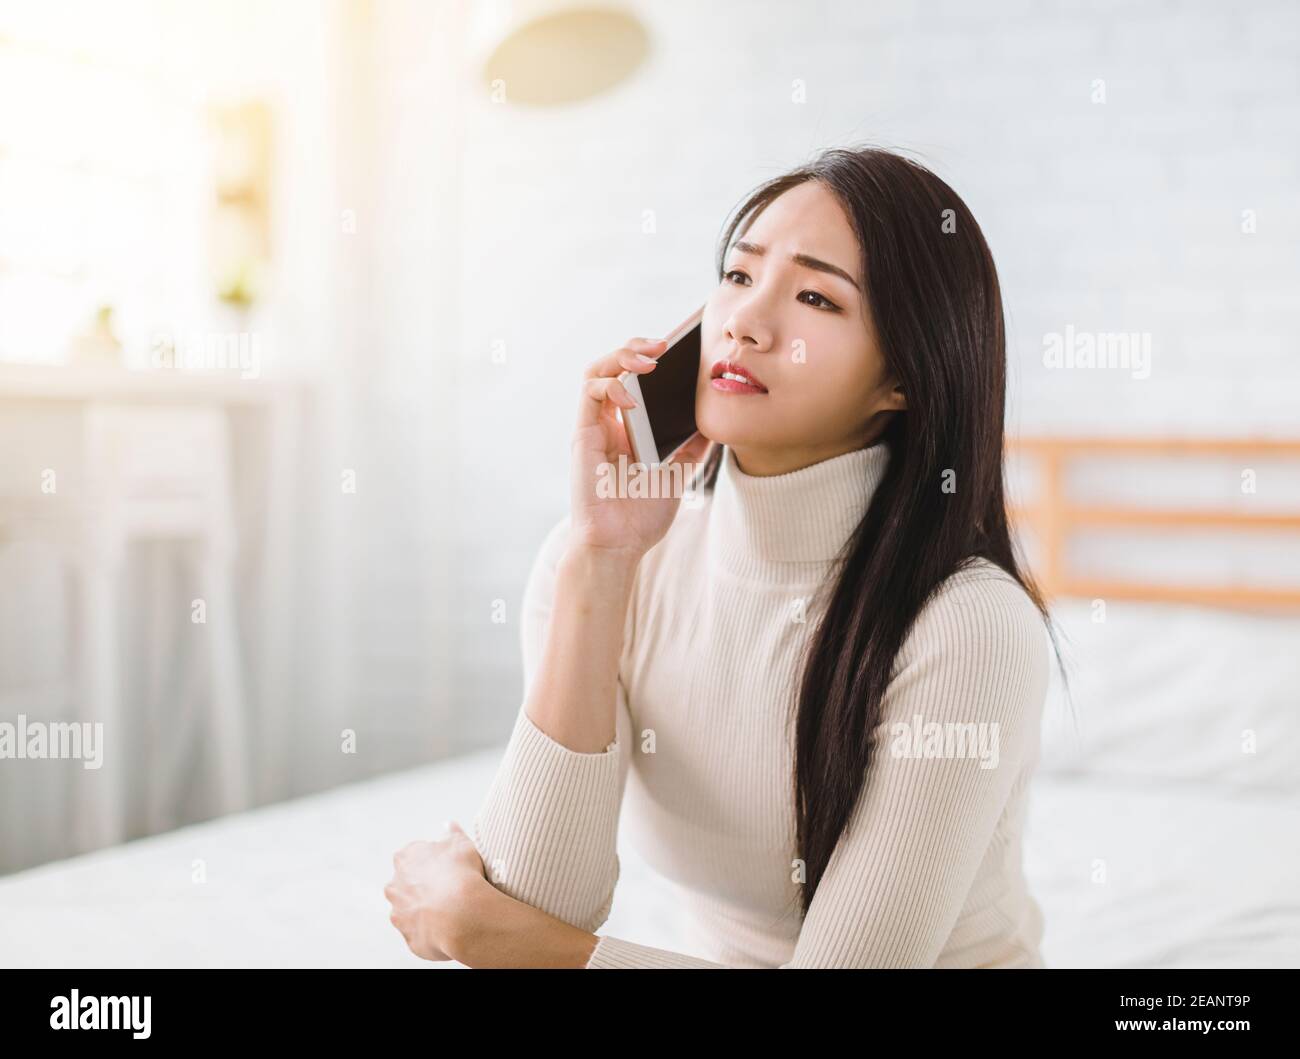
{"points": [[821, 303]]}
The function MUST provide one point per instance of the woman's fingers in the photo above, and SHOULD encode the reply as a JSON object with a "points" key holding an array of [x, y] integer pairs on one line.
{"points": [[600, 379], [626, 358], [595, 392], [621, 443]]}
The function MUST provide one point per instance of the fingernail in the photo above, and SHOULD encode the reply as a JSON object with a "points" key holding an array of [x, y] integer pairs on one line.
{"points": [[642, 356]]}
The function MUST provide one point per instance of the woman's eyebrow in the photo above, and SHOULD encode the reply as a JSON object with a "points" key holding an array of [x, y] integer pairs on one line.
{"points": [[799, 259]]}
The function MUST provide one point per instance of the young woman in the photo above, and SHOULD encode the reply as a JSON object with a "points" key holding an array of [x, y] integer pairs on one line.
{"points": [[813, 698]]}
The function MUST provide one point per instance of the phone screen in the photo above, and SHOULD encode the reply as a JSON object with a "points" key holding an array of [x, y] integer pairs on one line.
{"points": [[668, 392]]}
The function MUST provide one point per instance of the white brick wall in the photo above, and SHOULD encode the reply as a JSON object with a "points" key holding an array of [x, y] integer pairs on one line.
{"points": [[1119, 216]]}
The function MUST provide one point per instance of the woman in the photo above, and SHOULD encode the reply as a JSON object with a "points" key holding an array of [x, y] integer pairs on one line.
{"points": [[819, 689]]}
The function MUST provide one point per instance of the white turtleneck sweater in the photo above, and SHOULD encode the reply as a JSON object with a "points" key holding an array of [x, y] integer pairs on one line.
{"points": [[928, 872]]}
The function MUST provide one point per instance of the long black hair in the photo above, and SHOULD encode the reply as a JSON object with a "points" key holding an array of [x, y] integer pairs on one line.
{"points": [[934, 295]]}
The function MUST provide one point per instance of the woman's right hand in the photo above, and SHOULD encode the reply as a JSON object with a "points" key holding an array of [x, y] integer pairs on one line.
{"points": [[620, 524]]}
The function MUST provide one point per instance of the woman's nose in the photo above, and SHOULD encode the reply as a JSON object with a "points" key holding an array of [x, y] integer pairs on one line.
{"points": [[748, 326]]}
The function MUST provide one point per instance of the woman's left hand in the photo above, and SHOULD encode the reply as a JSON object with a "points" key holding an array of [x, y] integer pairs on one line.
{"points": [[431, 889]]}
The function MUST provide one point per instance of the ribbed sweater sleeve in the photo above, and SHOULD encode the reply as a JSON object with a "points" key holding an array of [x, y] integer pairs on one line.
{"points": [[547, 830], [897, 879]]}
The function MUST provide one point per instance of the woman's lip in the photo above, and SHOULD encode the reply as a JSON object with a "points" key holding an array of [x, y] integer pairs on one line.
{"points": [[731, 386], [723, 366]]}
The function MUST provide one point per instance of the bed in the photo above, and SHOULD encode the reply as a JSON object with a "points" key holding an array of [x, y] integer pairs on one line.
{"points": [[1163, 828]]}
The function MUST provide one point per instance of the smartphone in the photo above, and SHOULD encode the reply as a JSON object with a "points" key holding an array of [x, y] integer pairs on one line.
{"points": [[664, 415]]}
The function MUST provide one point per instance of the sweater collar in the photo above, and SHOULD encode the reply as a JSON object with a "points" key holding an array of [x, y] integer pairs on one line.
{"points": [[795, 524]]}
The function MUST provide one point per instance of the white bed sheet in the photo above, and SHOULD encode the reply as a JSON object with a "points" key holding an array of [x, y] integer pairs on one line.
{"points": [[1189, 878], [1192, 880]]}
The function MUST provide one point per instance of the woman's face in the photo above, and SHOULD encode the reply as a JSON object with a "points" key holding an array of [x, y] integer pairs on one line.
{"points": [[803, 330]]}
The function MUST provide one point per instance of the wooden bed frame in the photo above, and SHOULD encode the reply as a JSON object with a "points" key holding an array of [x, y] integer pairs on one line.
{"points": [[1053, 517]]}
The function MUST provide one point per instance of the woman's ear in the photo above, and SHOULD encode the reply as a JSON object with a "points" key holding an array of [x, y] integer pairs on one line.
{"points": [[896, 401]]}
